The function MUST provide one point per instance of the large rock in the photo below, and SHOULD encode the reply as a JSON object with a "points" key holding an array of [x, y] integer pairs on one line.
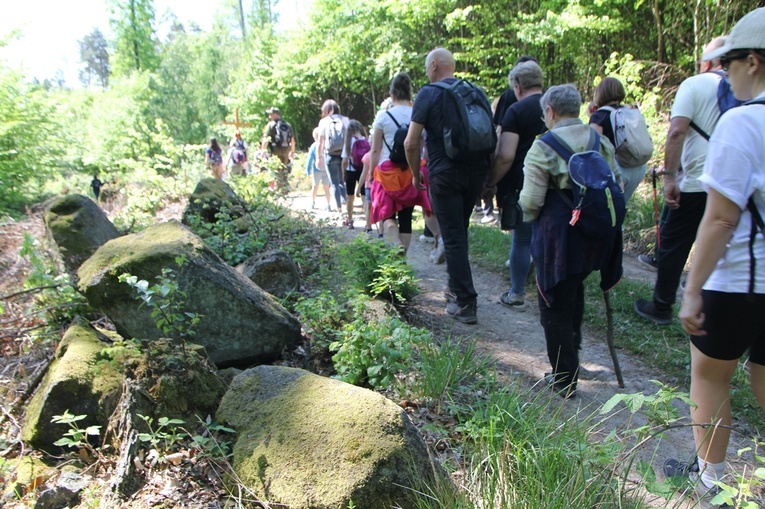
{"points": [[210, 197], [81, 379], [241, 324], [307, 441], [274, 271], [79, 227]]}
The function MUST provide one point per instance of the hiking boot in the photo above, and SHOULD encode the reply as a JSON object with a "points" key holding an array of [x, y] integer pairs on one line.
{"points": [[648, 261], [513, 301], [647, 309], [565, 391], [683, 475], [465, 314]]}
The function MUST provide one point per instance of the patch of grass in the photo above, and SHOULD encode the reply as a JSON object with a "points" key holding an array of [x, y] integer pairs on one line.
{"points": [[489, 247]]}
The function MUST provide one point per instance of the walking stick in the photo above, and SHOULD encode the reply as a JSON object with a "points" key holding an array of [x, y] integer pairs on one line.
{"points": [[656, 212], [610, 339]]}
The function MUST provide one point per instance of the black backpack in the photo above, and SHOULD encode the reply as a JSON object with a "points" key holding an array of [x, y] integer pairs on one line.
{"points": [[281, 134], [397, 151], [469, 132]]}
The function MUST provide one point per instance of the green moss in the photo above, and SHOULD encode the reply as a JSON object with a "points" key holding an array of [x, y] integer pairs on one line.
{"points": [[320, 440]]}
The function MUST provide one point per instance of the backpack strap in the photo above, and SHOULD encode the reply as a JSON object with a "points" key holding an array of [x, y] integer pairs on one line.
{"points": [[757, 222], [566, 153], [398, 126]]}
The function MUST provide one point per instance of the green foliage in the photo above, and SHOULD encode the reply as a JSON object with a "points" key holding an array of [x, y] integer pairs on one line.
{"points": [[323, 317], [57, 300], [132, 22], [166, 300], [164, 436], [209, 443], [374, 353], [378, 269], [75, 437], [226, 238], [94, 58]]}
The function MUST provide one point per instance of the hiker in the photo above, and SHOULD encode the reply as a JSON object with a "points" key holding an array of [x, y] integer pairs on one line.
{"points": [[454, 183], [725, 291], [695, 105], [332, 128], [236, 158], [355, 146], [318, 175], [564, 255], [96, 184], [214, 158], [521, 124], [278, 139], [394, 195], [609, 95]]}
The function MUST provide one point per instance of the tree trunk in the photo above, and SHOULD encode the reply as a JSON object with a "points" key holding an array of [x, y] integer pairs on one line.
{"points": [[241, 19]]}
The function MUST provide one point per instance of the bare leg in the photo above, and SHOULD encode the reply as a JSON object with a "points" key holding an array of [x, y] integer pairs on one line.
{"points": [[406, 239], [349, 209], [432, 224], [326, 194], [392, 233], [757, 379], [710, 390]]}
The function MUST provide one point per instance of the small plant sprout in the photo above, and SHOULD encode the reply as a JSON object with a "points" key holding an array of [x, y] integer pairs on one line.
{"points": [[76, 437]]}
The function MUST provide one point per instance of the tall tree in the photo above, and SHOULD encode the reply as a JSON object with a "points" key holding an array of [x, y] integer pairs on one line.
{"points": [[136, 43], [94, 57]]}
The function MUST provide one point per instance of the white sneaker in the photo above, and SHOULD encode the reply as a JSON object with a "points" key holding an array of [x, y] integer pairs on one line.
{"points": [[488, 218], [438, 255], [425, 238]]}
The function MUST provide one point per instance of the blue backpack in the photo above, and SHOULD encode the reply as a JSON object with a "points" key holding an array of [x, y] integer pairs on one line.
{"points": [[598, 205], [725, 101]]}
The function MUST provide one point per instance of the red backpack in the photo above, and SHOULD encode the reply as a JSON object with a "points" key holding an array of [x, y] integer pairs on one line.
{"points": [[358, 150]]}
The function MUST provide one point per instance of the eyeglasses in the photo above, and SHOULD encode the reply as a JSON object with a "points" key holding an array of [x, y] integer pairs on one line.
{"points": [[725, 60]]}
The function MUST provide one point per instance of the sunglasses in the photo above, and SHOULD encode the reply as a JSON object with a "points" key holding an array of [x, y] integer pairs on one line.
{"points": [[725, 60]]}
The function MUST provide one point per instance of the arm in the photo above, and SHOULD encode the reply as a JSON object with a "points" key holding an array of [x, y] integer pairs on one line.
{"points": [[720, 219], [291, 155], [536, 181], [320, 151], [376, 148], [598, 128], [412, 148], [678, 130], [508, 146]]}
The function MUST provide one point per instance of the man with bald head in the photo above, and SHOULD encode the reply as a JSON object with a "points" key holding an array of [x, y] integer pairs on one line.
{"points": [[454, 185], [694, 116]]}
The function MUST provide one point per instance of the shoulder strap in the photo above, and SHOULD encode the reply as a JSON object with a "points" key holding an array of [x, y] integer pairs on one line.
{"points": [[760, 100], [699, 130], [757, 222], [393, 118], [563, 149]]}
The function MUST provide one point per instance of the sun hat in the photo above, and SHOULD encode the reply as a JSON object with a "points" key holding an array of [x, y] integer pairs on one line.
{"points": [[749, 33], [273, 110]]}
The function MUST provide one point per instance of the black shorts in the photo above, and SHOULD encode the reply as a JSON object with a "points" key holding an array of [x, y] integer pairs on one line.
{"points": [[351, 179], [735, 323]]}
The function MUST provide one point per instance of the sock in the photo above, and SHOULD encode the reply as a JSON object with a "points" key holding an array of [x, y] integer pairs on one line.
{"points": [[711, 472]]}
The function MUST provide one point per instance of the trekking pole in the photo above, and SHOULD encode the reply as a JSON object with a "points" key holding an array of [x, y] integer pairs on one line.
{"points": [[610, 339], [656, 212]]}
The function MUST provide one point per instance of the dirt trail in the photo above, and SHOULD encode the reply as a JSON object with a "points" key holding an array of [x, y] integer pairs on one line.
{"points": [[515, 340]]}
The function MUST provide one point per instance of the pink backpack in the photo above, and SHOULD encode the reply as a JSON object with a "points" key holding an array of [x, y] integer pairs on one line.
{"points": [[359, 148]]}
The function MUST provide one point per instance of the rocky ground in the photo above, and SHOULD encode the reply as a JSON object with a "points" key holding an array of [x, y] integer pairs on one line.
{"points": [[513, 339]]}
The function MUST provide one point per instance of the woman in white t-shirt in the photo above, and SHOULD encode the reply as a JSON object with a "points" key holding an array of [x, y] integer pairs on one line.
{"points": [[725, 292], [393, 194]]}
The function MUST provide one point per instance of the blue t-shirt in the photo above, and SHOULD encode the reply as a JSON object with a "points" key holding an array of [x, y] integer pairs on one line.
{"points": [[427, 111], [310, 166]]}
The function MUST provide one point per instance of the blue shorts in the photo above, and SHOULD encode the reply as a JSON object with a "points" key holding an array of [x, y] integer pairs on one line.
{"points": [[735, 323]]}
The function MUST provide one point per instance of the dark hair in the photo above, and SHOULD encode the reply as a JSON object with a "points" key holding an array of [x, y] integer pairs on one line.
{"points": [[401, 87], [355, 128], [609, 91], [330, 107], [214, 145], [526, 58]]}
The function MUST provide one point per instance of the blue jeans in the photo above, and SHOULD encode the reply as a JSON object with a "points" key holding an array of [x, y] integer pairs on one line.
{"points": [[453, 194], [335, 173], [520, 258]]}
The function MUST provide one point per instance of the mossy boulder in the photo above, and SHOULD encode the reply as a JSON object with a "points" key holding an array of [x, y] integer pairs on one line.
{"points": [[273, 271], [307, 441], [210, 197], [241, 324], [78, 227], [83, 379]]}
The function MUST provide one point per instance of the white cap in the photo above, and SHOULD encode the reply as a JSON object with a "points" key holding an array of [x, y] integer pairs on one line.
{"points": [[749, 33]]}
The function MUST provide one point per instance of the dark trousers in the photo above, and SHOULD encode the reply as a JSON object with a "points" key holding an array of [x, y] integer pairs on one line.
{"points": [[677, 236], [562, 323], [453, 194]]}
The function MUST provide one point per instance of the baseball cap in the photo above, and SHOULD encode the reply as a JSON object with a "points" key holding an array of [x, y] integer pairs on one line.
{"points": [[749, 33], [273, 109]]}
